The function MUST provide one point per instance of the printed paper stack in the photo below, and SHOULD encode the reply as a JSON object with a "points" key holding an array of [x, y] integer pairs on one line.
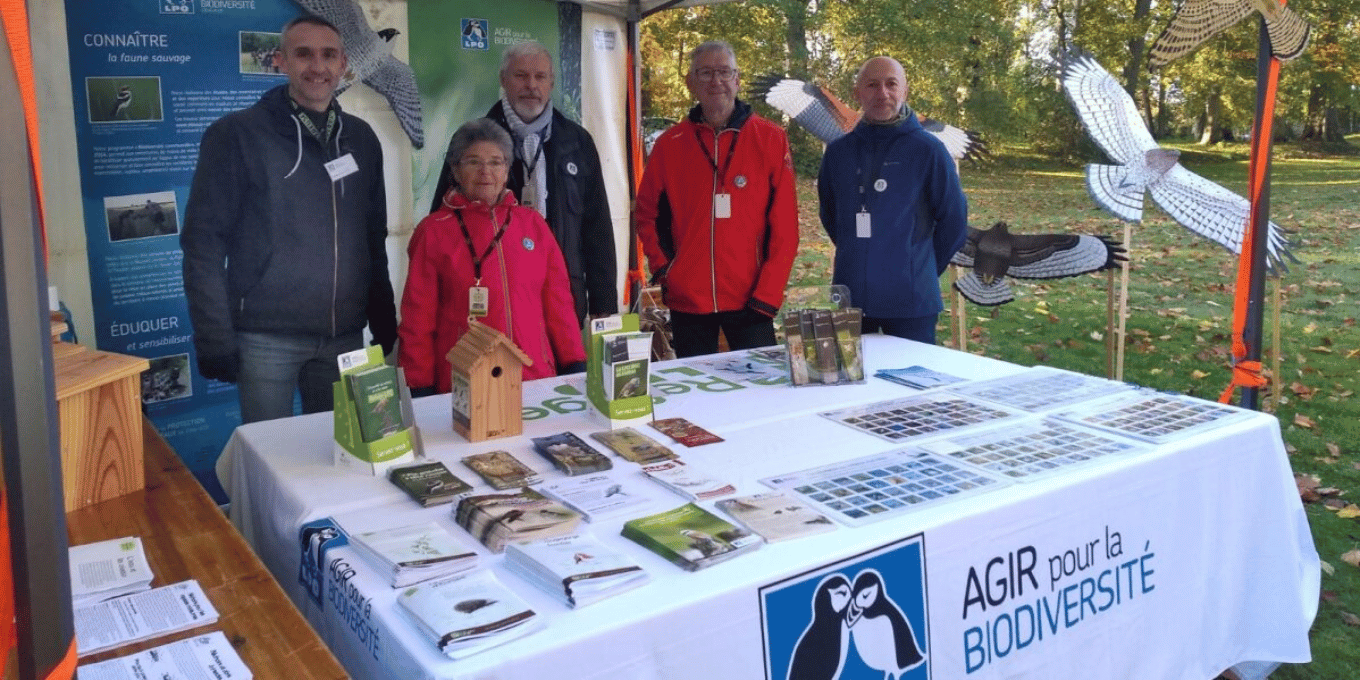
{"points": [[142, 616], [594, 496], [500, 518], [415, 553], [690, 537], [571, 455], [108, 569], [775, 516], [687, 481], [468, 613], [429, 483], [578, 569], [204, 656]]}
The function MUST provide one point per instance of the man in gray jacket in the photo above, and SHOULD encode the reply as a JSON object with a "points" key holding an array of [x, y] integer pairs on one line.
{"points": [[284, 236]]}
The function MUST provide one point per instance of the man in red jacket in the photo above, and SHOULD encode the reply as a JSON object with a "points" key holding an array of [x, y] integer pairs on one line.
{"points": [[718, 214]]}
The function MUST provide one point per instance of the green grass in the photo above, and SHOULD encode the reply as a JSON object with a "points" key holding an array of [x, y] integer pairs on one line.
{"points": [[1180, 320]]}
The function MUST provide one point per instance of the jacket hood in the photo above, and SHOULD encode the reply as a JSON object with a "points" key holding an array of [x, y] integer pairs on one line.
{"points": [[909, 124], [740, 114]]}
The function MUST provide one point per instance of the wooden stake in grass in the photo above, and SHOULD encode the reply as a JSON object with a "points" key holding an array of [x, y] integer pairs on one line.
{"points": [[1123, 302]]}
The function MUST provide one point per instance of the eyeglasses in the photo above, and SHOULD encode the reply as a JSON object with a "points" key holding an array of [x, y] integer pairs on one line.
{"points": [[708, 75], [478, 164]]}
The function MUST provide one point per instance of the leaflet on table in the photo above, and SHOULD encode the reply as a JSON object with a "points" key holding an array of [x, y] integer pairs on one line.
{"points": [[108, 569], [917, 377], [468, 613], [686, 480], [776, 516], [133, 618], [594, 496], [1042, 388], [578, 569], [415, 553], [195, 658], [690, 537]]}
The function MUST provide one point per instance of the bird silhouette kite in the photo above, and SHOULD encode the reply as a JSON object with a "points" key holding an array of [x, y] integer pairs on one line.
{"points": [[371, 60], [1199, 20], [1112, 120], [828, 118], [996, 253]]}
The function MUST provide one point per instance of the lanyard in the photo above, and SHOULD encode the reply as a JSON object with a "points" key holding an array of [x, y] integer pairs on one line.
{"points": [[528, 166], [727, 162], [472, 250], [311, 127]]}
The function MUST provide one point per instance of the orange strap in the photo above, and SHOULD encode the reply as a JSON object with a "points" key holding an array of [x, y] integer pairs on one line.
{"points": [[15, 15], [1248, 373], [66, 669], [635, 165]]}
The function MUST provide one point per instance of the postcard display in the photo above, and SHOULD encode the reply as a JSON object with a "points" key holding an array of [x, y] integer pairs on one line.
{"points": [[618, 366], [375, 426]]}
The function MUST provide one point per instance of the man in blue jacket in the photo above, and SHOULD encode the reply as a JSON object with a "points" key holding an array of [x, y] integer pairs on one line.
{"points": [[284, 236], [893, 206]]}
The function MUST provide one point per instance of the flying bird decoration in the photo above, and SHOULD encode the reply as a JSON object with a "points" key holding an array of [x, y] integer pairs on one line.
{"points": [[371, 60], [1112, 120], [828, 118], [996, 253], [1199, 20]]}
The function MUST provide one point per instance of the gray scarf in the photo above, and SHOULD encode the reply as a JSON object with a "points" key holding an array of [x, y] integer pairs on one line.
{"points": [[528, 138]]}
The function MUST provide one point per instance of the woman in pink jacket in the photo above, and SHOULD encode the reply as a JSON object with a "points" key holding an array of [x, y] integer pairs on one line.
{"points": [[481, 255]]}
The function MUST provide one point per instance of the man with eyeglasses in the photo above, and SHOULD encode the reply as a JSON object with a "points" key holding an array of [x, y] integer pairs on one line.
{"points": [[718, 214], [556, 171], [285, 257], [893, 206]]}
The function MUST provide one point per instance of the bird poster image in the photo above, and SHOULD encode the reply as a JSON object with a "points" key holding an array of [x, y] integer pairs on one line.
{"points": [[858, 619]]}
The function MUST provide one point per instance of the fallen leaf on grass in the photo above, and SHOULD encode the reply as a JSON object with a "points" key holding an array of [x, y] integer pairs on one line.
{"points": [[1328, 491], [1329, 596], [1334, 503], [1308, 485], [1333, 449], [1304, 421], [1350, 619], [1351, 557], [1327, 568], [1198, 374], [1351, 510]]}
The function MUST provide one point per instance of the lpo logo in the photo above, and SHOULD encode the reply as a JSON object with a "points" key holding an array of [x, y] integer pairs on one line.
{"points": [[476, 34], [177, 6], [861, 618]]}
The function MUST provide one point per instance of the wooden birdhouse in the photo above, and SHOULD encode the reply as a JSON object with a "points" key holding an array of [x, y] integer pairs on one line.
{"points": [[488, 374]]}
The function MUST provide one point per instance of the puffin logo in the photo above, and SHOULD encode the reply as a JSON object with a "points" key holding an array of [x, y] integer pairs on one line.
{"points": [[315, 538], [861, 618]]}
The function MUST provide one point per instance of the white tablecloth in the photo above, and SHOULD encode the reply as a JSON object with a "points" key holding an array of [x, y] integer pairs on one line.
{"points": [[1145, 567]]}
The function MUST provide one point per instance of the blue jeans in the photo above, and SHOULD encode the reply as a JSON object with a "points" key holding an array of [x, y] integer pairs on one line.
{"points": [[275, 366], [920, 328]]}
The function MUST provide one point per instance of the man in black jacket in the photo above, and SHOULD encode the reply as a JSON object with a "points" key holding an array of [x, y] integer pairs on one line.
{"points": [[284, 240], [556, 171]]}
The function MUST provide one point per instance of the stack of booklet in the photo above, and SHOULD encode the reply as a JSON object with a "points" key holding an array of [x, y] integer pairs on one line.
{"points": [[686, 480], [578, 569], [594, 496], [415, 553], [501, 470], [468, 613], [429, 483], [500, 518], [690, 537], [107, 569], [195, 658], [142, 616], [571, 455]]}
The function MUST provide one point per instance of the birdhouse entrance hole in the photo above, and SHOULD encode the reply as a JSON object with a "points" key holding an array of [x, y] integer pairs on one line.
{"points": [[495, 371]]}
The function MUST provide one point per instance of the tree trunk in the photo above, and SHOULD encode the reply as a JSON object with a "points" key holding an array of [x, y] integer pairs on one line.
{"points": [[795, 37], [1211, 133]]}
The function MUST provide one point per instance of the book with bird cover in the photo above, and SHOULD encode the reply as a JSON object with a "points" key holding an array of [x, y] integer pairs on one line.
{"points": [[690, 537], [776, 516], [497, 519], [577, 569], [633, 446], [411, 554], [501, 470], [376, 401], [594, 496], [467, 613], [687, 480], [429, 483], [571, 454]]}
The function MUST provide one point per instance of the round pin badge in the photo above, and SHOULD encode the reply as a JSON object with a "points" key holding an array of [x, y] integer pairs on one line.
{"points": [[880, 185], [528, 244], [571, 168], [740, 181]]}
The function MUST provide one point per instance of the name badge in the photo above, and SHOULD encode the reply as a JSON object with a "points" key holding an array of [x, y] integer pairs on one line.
{"points": [[722, 205], [478, 301], [342, 167], [530, 194], [863, 224]]}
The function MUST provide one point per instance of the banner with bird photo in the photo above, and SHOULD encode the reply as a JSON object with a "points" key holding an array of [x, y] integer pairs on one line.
{"points": [[456, 48], [147, 78]]}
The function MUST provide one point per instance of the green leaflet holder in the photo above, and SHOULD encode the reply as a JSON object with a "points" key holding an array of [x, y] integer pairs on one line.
{"points": [[375, 457], [614, 413]]}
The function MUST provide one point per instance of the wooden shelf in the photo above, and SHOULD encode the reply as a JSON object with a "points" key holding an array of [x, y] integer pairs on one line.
{"points": [[186, 536]]}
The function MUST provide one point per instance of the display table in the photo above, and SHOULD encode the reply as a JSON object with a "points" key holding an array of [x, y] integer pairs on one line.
{"points": [[186, 536], [1142, 567]]}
